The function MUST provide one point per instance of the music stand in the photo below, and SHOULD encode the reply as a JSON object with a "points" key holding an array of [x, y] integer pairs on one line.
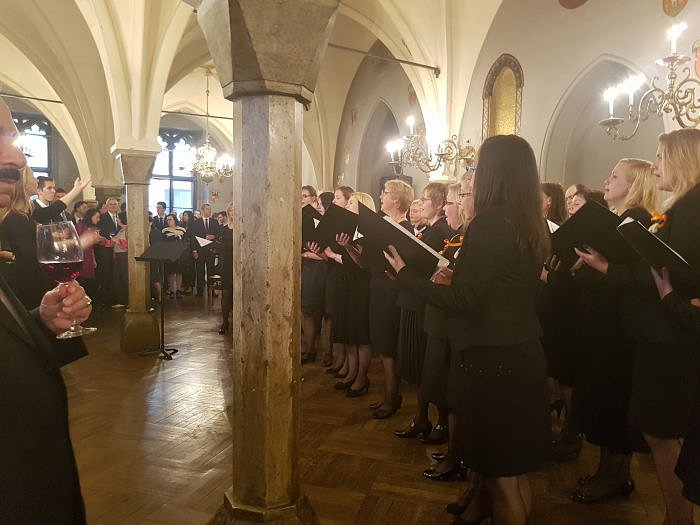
{"points": [[161, 252]]}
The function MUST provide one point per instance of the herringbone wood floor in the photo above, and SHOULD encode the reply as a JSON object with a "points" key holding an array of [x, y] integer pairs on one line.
{"points": [[153, 443]]}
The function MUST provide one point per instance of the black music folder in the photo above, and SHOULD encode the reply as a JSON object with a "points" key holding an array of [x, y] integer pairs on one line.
{"points": [[212, 246], [310, 219], [594, 226], [382, 231], [336, 220], [656, 252]]}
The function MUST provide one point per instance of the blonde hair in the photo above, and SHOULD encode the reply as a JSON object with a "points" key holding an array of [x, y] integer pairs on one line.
{"points": [[453, 191], [229, 220], [437, 193], [422, 221], [366, 199], [642, 192], [20, 201], [680, 157], [401, 191]]}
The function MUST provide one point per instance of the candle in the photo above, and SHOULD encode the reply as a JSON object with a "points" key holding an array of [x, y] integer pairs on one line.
{"points": [[673, 33], [410, 121], [609, 96]]}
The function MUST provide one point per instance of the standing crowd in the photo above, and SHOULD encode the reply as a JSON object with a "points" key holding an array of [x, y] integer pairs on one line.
{"points": [[522, 357]]}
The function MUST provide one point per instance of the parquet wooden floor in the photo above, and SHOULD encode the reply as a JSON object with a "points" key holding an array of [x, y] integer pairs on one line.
{"points": [[153, 446]]}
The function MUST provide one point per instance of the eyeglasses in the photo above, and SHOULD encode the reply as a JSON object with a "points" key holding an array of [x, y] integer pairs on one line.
{"points": [[572, 197], [462, 195]]}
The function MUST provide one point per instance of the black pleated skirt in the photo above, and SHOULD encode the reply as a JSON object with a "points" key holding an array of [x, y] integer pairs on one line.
{"points": [[313, 284], [411, 348], [501, 395], [436, 369], [351, 317], [664, 388], [384, 316]]}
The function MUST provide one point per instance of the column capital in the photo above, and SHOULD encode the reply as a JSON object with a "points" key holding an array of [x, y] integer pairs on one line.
{"points": [[276, 46], [136, 166]]}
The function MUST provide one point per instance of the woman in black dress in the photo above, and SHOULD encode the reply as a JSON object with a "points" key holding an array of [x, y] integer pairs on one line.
{"points": [[226, 239], [313, 276], [412, 338], [188, 269], [493, 326], [18, 235], [665, 377], [603, 378]]}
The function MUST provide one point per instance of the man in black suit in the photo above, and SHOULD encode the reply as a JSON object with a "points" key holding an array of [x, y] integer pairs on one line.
{"points": [[39, 481], [159, 220], [104, 255], [208, 228]]}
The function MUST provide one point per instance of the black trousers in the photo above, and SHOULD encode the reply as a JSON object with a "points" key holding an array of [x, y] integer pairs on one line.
{"points": [[104, 273], [204, 262]]}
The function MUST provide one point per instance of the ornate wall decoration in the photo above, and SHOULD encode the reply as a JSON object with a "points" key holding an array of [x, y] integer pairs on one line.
{"points": [[674, 7], [503, 96]]}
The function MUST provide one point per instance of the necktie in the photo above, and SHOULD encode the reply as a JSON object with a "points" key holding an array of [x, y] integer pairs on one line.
{"points": [[206, 225]]}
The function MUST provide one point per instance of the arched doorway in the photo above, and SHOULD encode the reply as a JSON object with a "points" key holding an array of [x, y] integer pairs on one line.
{"points": [[576, 149], [372, 163]]}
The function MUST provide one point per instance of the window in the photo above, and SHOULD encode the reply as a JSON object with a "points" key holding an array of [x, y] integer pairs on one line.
{"points": [[172, 180], [503, 94], [36, 143]]}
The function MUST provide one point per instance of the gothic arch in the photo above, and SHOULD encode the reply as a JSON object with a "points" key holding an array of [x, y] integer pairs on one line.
{"points": [[503, 97]]}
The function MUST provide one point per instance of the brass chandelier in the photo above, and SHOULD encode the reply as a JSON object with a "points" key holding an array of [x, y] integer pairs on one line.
{"points": [[412, 151], [206, 166], [679, 99]]}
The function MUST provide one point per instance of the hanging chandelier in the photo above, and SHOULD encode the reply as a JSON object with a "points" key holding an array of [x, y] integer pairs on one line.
{"points": [[678, 99], [206, 166], [412, 151]]}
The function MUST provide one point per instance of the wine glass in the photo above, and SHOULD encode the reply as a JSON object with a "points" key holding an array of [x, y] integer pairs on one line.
{"points": [[60, 256]]}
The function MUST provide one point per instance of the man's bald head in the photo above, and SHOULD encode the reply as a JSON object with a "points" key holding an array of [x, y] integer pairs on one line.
{"points": [[12, 160]]}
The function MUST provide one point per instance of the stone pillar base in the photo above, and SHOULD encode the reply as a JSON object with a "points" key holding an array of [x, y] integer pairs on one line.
{"points": [[231, 513], [140, 331]]}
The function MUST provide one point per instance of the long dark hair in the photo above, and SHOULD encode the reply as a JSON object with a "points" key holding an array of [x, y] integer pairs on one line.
{"points": [[506, 175], [557, 210], [190, 219]]}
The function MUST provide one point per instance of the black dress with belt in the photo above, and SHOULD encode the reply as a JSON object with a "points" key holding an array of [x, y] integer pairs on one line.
{"points": [[493, 325], [412, 337], [601, 393], [665, 372]]}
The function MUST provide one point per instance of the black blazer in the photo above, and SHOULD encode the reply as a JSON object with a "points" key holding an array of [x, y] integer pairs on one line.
{"points": [[198, 230], [39, 482], [491, 301], [108, 227], [650, 322]]}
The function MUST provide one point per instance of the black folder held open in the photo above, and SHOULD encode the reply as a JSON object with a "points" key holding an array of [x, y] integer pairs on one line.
{"points": [[382, 231], [310, 219], [656, 252], [595, 226], [336, 220]]}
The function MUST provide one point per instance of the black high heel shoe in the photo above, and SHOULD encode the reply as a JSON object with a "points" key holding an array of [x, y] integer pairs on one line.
{"points": [[223, 329], [438, 435], [385, 413], [456, 472], [412, 431], [621, 491], [439, 457], [338, 375], [332, 371], [341, 385], [357, 393]]}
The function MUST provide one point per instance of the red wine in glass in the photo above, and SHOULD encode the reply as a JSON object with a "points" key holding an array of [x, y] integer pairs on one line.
{"points": [[60, 255], [63, 271]]}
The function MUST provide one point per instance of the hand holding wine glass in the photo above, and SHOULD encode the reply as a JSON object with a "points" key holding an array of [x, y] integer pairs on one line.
{"points": [[60, 255]]}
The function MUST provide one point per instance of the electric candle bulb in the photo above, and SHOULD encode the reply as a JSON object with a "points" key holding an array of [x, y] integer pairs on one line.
{"points": [[609, 96], [410, 121], [674, 32]]}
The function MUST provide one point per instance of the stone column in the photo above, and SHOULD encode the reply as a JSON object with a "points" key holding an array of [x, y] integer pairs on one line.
{"points": [[140, 329], [268, 55]]}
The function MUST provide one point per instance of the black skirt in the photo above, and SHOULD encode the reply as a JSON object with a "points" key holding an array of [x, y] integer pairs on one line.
{"points": [[502, 397], [384, 316], [330, 289], [351, 317], [411, 348], [664, 386], [313, 281]]}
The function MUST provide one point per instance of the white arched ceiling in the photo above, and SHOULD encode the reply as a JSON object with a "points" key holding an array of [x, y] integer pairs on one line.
{"points": [[23, 78], [54, 37], [576, 149], [137, 41]]}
